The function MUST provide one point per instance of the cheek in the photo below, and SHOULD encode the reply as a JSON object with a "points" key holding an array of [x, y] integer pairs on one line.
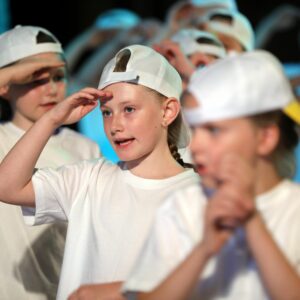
{"points": [[61, 91]]}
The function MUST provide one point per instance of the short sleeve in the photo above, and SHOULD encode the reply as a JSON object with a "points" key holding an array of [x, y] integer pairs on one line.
{"points": [[177, 228], [56, 190]]}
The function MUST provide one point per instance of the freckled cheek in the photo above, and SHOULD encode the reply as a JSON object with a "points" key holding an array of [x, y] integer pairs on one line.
{"points": [[61, 91], [106, 125]]}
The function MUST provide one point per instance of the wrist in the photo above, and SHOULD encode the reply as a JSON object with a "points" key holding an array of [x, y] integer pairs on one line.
{"points": [[253, 220], [48, 122], [205, 251]]}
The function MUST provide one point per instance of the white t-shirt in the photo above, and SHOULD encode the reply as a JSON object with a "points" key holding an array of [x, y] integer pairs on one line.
{"points": [[109, 212], [232, 274], [30, 257]]}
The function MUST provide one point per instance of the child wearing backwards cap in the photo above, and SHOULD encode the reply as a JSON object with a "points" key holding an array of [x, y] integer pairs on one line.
{"points": [[189, 49], [232, 28], [246, 237], [109, 207], [32, 80]]}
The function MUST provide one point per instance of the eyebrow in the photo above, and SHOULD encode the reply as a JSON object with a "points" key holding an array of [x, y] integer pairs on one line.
{"points": [[123, 103]]}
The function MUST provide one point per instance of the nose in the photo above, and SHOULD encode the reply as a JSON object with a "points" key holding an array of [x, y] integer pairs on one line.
{"points": [[116, 125], [51, 88]]}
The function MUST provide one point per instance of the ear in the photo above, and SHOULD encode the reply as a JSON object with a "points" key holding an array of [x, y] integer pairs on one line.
{"points": [[4, 91], [171, 108], [268, 139]]}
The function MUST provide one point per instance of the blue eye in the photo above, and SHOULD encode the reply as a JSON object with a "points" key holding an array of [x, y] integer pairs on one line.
{"points": [[106, 113], [129, 109]]}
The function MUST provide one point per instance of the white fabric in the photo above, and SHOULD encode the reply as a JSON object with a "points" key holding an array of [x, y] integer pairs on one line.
{"points": [[20, 42], [153, 71], [189, 44], [109, 212], [240, 28], [232, 274], [244, 88], [30, 257]]}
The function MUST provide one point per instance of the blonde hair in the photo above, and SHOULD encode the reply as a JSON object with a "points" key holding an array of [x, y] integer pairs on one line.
{"points": [[174, 130], [283, 157]]}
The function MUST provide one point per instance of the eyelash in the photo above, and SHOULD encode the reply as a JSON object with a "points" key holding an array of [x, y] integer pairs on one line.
{"points": [[106, 113], [213, 130], [59, 78], [132, 109]]}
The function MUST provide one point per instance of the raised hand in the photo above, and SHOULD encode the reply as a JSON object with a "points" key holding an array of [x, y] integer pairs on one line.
{"points": [[76, 106], [30, 69], [232, 205]]}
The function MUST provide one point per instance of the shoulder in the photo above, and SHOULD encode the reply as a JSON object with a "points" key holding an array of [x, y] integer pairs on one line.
{"points": [[189, 196], [186, 207], [72, 134]]}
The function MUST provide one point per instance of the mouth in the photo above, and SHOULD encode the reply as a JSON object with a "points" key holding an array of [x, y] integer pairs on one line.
{"points": [[201, 169], [122, 143], [48, 105]]}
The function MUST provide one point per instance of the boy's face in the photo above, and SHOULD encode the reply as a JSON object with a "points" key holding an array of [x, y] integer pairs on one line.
{"points": [[212, 141], [31, 100], [133, 121]]}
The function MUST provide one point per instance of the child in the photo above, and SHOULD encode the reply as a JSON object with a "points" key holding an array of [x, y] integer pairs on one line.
{"points": [[109, 207], [232, 28], [189, 49], [32, 80], [242, 249]]}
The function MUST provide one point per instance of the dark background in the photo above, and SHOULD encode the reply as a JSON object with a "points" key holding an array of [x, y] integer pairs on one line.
{"points": [[67, 18]]}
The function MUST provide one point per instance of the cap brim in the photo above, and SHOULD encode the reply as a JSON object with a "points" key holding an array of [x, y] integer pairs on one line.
{"points": [[293, 111]]}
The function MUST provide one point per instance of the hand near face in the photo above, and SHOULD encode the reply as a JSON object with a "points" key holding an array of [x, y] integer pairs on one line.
{"points": [[31, 69], [232, 205], [108, 291], [76, 106]]}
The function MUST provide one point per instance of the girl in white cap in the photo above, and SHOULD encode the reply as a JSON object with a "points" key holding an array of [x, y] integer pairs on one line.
{"points": [[109, 207], [32, 81], [232, 28], [246, 237], [190, 49]]}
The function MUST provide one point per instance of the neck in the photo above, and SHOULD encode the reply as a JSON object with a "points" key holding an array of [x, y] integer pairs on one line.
{"points": [[22, 123], [266, 177], [159, 164]]}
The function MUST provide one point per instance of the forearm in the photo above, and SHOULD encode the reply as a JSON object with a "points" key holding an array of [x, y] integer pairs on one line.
{"points": [[279, 277], [180, 284], [17, 167], [5, 76]]}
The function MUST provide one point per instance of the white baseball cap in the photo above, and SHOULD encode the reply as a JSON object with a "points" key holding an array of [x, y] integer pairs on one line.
{"points": [[117, 19], [24, 41], [193, 40], [240, 27], [244, 85], [146, 67], [229, 4]]}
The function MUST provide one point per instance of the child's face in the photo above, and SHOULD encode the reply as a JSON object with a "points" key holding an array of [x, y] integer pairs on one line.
{"points": [[31, 100], [199, 59], [212, 141], [133, 121], [230, 43]]}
